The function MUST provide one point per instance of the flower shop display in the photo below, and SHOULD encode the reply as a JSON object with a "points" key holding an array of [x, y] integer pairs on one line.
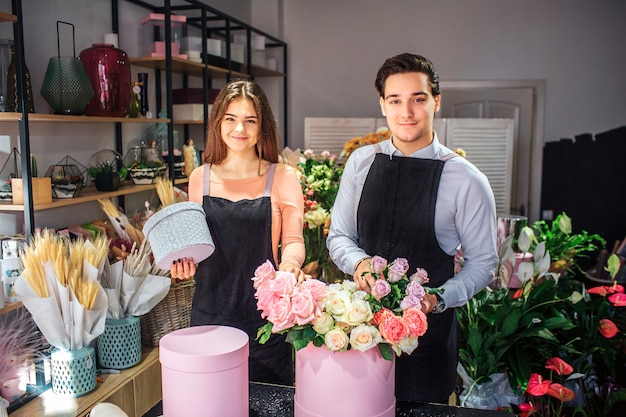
{"points": [[19, 347], [552, 314], [546, 397], [60, 287], [134, 286], [319, 176], [340, 331]]}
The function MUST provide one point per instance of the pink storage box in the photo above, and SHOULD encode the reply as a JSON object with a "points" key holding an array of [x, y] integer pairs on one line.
{"points": [[205, 372], [346, 384]]}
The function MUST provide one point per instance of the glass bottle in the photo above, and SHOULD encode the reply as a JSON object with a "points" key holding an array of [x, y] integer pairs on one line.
{"points": [[12, 102], [134, 108]]}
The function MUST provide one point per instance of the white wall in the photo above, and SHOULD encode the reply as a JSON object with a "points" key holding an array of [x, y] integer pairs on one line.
{"points": [[336, 47]]}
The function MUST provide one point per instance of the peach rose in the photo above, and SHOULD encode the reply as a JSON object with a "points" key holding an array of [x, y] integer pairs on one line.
{"points": [[393, 329], [416, 320]]}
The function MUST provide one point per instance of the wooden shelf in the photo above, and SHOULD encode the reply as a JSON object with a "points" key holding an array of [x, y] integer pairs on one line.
{"points": [[10, 307], [184, 66], [62, 118], [135, 390], [7, 17]]}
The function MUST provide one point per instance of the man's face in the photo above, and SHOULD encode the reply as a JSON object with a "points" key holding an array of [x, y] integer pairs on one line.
{"points": [[409, 107]]}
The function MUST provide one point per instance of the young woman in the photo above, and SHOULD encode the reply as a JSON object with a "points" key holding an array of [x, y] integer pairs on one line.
{"points": [[253, 206]]}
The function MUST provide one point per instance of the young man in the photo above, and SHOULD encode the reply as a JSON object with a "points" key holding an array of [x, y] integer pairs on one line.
{"points": [[413, 198]]}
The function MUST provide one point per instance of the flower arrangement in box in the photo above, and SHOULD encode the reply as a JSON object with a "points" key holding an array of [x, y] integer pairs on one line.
{"points": [[341, 317]]}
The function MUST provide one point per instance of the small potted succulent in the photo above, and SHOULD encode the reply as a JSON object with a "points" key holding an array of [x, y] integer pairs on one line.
{"points": [[107, 170]]}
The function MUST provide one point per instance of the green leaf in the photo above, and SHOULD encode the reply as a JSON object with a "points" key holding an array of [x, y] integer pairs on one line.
{"points": [[386, 351]]}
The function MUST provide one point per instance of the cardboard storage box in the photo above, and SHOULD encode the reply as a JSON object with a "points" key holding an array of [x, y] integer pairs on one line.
{"points": [[42, 190], [189, 111]]}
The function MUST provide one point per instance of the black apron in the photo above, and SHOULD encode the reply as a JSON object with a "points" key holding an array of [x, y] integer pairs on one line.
{"points": [[224, 294], [396, 219]]}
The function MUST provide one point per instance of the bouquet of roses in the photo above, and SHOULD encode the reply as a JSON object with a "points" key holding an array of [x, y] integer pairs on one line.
{"points": [[341, 316]]}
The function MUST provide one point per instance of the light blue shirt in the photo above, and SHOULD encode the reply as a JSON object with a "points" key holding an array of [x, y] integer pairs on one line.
{"points": [[465, 216]]}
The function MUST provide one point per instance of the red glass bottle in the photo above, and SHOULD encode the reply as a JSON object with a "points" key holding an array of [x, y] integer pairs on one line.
{"points": [[108, 69]]}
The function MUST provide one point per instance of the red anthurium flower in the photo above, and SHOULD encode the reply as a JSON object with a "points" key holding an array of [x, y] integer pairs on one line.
{"points": [[616, 288], [607, 328], [600, 290], [537, 386], [559, 365], [560, 392], [518, 293], [618, 299], [527, 409]]}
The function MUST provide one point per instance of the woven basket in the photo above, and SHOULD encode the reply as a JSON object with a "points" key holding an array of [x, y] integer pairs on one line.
{"points": [[171, 313]]}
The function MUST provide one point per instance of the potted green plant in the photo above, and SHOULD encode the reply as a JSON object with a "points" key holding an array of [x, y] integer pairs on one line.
{"points": [[107, 170]]}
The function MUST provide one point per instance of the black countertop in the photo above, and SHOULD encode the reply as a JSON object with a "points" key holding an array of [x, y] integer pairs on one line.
{"points": [[268, 400], [277, 401]]}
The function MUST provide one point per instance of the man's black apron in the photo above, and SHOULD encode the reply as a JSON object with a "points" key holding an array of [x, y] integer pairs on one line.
{"points": [[224, 295], [396, 219]]}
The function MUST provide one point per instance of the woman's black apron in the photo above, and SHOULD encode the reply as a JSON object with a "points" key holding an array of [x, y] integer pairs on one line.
{"points": [[224, 294], [396, 219]]}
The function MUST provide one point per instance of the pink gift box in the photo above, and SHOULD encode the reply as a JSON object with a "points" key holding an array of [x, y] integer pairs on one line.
{"points": [[205, 372]]}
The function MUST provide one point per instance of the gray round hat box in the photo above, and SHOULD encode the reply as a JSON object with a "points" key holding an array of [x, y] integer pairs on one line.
{"points": [[178, 231]]}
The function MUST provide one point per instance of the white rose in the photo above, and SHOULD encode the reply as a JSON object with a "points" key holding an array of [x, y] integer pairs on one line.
{"points": [[337, 302], [408, 344], [323, 323], [336, 340], [364, 337], [357, 312], [349, 285]]}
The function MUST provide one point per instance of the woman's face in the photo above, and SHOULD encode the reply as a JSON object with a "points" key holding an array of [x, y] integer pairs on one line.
{"points": [[240, 126]]}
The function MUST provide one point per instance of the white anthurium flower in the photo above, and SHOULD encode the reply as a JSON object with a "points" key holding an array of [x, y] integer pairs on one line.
{"points": [[542, 259], [526, 236], [565, 224], [505, 251], [525, 271]]}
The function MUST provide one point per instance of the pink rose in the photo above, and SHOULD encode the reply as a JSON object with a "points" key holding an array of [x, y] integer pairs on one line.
{"points": [[283, 283], [380, 289], [265, 300], [317, 288], [281, 315], [410, 301], [393, 329], [415, 288], [416, 320], [303, 306], [397, 270], [263, 272], [378, 264], [420, 276]]}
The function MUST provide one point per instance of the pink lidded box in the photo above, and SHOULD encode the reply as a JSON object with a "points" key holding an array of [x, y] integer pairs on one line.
{"points": [[205, 372]]}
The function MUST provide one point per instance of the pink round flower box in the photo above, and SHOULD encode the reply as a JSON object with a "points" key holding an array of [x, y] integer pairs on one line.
{"points": [[205, 372], [347, 384]]}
